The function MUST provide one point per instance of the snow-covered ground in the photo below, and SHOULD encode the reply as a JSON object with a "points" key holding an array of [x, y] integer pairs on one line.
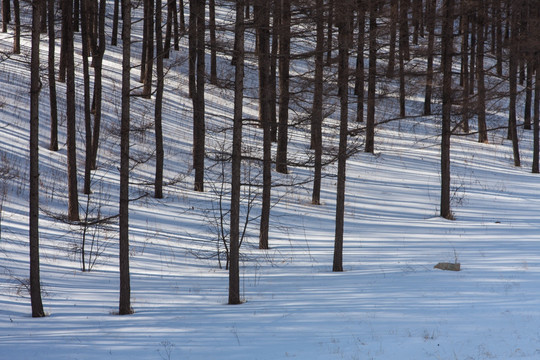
{"points": [[389, 303]]}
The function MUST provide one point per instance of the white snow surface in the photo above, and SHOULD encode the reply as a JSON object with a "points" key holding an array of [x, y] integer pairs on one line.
{"points": [[389, 303]]}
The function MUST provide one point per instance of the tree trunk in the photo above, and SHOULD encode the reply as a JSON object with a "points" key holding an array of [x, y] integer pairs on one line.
{"points": [[234, 271], [372, 78], [6, 15], [35, 87], [192, 45], [394, 5], [73, 201], [86, 98], [114, 36], [213, 44], [98, 88], [147, 61], [359, 83], [481, 104], [430, 23], [316, 112], [53, 145], [199, 128], [343, 11], [403, 50], [512, 72], [528, 94], [262, 21], [276, 30], [125, 284], [330, 35], [404, 6], [158, 183], [447, 53], [536, 117], [284, 61], [17, 35]]}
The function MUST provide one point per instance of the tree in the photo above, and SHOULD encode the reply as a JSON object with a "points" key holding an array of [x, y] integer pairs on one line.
{"points": [[430, 24], [234, 235], [73, 199], [359, 83], [372, 78], [125, 286], [284, 63], [158, 182], [85, 36], [316, 111], [343, 21], [512, 74], [262, 23], [17, 35], [446, 58], [53, 144], [213, 45], [481, 103], [6, 15], [198, 94], [147, 58], [35, 87]]}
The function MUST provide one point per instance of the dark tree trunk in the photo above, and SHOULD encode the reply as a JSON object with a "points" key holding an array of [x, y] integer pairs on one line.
{"points": [[125, 283], [497, 22], [404, 6], [234, 271], [17, 35], [430, 23], [528, 95], [35, 87], [213, 45], [73, 201], [98, 88], [6, 15], [359, 83], [262, 21], [158, 182], [199, 128], [536, 117], [343, 12], [182, 18], [53, 145], [403, 50], [86, 98], [168, 27], [372, 78], [114, 36], [147, 59], [394, 5], [276, 29], [464, 76], [512, 72], [447, 53], [192, 44], [481, 105], [284, 61], [330, 34], [316, 114]]}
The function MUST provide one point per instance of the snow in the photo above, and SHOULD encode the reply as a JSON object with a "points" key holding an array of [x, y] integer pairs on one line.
{"points": [[389, 303]]}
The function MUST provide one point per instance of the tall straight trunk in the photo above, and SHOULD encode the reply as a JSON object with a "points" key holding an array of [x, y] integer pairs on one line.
{"points": [[536, 118], [35, 87], [148, 59], [330, 33], [98, 88], [114, 35], [284, 61], [499, 41], [464, 76], [76, 15], [404, 6], [199, 127], [124, 307], [168, 27], [447, 53], [430, 24], [86, 98], [316, 112], [262, 22], [158, 180], [175, 26], [481, 104], [182, 18], [512, 73], [528, 94], [192, 46], [360, 77], [472, 63], [73, 200], [53, 144], [17, 35], [276, 30], [236, 163], [6, 15], [394, 6], [213, 44], [343, 11], [372, 78]]}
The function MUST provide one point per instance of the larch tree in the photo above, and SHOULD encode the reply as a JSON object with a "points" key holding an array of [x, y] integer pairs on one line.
{"points": [[343, 21], [125, 284], [481, 98], [35, 88], [158, 179], [372, 77], [431, 7], [236, 162], [284, 63], [446, 58], [73, 197], [53, 143], [512, 79]]}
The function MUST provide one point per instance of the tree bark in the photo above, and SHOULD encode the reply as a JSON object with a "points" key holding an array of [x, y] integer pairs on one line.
{"points": [[430, 24], [284, 62], [53, 144], [512, 72], [447, 53], [86, 97], [481, 104], [17, 35], [158, 181], [359, 83], [372, 78], [213, 44], [199, 127], [114, 36], [125, 283], [35, 87], [234, 271], [316, 112]]}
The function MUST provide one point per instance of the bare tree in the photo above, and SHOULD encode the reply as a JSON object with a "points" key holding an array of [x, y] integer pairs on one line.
{"points": [[199, 127], [284, 62], [125, 285], [234, 272], [372, 78], [316, 112], [158, 182], [35, 87], [53, 145]]}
